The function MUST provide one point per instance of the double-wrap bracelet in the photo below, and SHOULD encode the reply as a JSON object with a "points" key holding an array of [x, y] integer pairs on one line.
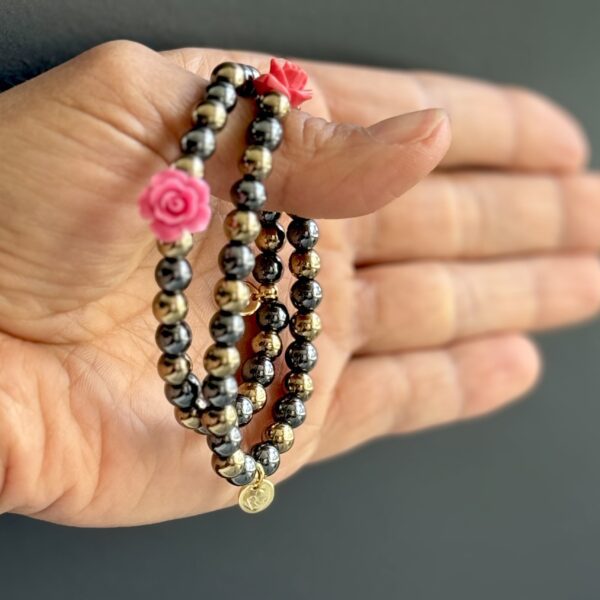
{"points": [[176, 202]]}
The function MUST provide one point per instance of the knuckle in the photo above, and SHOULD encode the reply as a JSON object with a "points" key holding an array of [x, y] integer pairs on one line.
{"points": [[117, 58]]}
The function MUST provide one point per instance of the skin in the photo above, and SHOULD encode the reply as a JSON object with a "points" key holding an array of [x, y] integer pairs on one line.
{"points": [[439, 255]]}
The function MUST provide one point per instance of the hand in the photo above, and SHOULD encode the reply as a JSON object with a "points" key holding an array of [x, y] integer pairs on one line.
{"points": [[427, 295]]}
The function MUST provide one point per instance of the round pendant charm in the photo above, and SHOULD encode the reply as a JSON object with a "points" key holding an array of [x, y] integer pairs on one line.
{"points": [[256, 497]]}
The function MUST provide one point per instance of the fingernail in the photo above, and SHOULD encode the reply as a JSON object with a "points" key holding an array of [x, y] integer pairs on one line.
{"points": [[409, 128]]}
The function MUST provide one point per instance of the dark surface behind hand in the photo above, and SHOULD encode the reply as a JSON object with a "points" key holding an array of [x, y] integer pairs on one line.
{"points": [[499, 509]]}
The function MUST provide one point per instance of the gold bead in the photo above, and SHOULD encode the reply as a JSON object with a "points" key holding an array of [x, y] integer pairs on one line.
{"points": [[192, 164], [231, 466], [232, 295], [242, 226], [256, 161], [275, 104], [255, 392], [169, 307], [178, 248], [268, 292], [268, 342], [219, 421], [299, 384], [268, 240], [305, 264], [231, 72], [306, 326], [281, 435], [188, 419], [221, 361], [174, 369], [210, 113]]}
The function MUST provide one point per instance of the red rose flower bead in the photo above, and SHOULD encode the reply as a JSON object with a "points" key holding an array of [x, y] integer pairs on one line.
{"points": [[175, 203], [287, 78]]}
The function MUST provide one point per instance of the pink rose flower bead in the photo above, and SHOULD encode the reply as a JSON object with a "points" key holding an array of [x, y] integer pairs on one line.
{"points": [[287, 78], [175, 203]]}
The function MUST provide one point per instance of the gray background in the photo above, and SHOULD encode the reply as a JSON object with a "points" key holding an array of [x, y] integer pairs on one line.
{"points": [[504, 508]]}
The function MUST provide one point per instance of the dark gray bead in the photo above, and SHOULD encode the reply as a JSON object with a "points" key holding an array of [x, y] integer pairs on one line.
{"points": [[258, 368], [247, 475], [268, 268], [303, 234], [265, 132], [236, 260], [291, 410], [200, 141], [173, 339], [249, 193], [226, 328], [268, 456], [185, 395], [306, 294], [219, 391], [224, 92], [268, 217], [301, 356], [227, 444], [244, 409], [272, 316], [173, 274]]}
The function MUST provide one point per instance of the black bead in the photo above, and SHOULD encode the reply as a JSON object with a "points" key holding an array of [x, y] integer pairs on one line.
{"points": [[247, 475], [266, 455], [306, 294], [173, 274], [268, 217], [219, 391], [301, 356], [258, 368], [199, 141], [224, 92], [272, 316], [249, 193], [225, 445], [268, 268], [244, 409], [291, 410], [303, 234], [173, 339], [265, 132], [185, 395], [236, 260], [226, 328]]}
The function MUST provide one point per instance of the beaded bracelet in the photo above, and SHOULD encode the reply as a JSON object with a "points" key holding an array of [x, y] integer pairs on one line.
{"points": [[176, 203]]}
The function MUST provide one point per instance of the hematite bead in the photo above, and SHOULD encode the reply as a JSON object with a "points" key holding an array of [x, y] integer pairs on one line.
{"points": [[267, 342], [229, 72], [174, 369], [255, 392], [186, 394], [256, 161], [232, 295], [173, 274], [300, 384], [227, 444], [178, 248], [236, 260], [219, 421], [173, 339], [244, 409], [226, 328], [305, 264], [303, 234], [291, 410], [221, 361], [267, 455], [200, 141], [210, 113], [242, 226], [224, 92], [305, 325], [268, 268], [260, 369], [306, 294], [272, 316], [169, 307], [192, 164], [247, 474], [266, 132], [248, 89], [281, 435], [231, 466], [249, 193], [301, 356], [274, 104], [269, 217], [271, 238], [219, 391]]}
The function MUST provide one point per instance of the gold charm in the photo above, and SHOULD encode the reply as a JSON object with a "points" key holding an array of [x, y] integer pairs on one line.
{"points": [[255, 301], [258, 495]]}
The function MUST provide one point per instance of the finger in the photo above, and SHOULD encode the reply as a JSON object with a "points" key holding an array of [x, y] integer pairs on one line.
{"points": [[492, 125], [392, 394], [421, 305], [477, 215]]}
